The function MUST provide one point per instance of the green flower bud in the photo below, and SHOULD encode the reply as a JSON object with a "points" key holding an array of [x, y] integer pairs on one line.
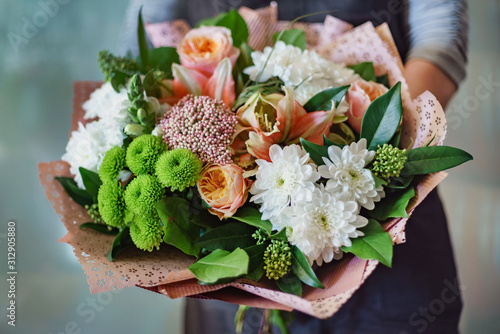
{"points": [[93, 212], [134, 130], [277, 259], [261, 236], [388, 162]]}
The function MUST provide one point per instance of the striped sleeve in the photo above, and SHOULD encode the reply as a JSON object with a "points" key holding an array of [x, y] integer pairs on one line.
{"points": [[438, 32]]}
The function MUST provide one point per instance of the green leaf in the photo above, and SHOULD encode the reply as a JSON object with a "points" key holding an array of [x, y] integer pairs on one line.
{"points": [[384, 80], [295, 37], [205, 219], [316, 152], [101, 228], [121, 242], [395, 139], [400, 182], [365, 70], [376, 244], [252, 216], [393, 205], [91, 181], [256, 261], [118, 80], [78, 195], [210, 21], [378, 181], [234, 22], [328, 142], [163, 58], [221, 265], [382, 118], [302, 269], [228, 237], [179, 231], [143, 44], [324, 99], [431, 159], [290, 284], [281, 235]]}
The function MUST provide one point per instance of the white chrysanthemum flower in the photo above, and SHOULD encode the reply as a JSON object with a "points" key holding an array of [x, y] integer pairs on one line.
{"points": [[287, 179], [321, 226], [88, 145], [105, 102], [347, 176], [305, 71]]}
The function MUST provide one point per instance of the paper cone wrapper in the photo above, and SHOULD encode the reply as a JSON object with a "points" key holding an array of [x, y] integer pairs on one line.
{"points": [[165, 271]]}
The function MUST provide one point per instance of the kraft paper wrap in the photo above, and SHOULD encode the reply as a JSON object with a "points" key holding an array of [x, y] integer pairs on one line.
{"points": [[165, 271]]}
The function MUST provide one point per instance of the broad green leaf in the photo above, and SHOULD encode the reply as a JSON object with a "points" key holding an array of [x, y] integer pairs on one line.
{"points": [[118, 80], [290, 284], [365, 70], [205, 219], [80, 196], [316, 152], [382, 118], [393, 205], [376, 244], [295, 37], [91, 181], [400, 182], [101, 228], [378, 181], [281, 235], [324, 99], [221, 264], [228, 237], [163, 58], [234, 22], [328, 142], [302, 269], [121, 242], [384, 80], [256, 261], [431, 159], [252, 216], [210, 21], [143, 43], [179, 231]]}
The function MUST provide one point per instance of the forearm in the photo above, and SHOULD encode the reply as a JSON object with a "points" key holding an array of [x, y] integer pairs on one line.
{"points": [[423, 75]]}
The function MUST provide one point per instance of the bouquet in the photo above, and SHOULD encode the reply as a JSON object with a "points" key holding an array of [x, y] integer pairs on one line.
{"points": [[282, 159]]}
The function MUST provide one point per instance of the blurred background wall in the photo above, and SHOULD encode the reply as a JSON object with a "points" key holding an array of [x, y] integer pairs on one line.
{"points": [[36, 75]]}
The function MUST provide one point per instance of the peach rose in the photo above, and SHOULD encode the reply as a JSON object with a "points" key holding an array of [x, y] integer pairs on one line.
{"points": [[359, 96], [224, 188], [202, 49]]}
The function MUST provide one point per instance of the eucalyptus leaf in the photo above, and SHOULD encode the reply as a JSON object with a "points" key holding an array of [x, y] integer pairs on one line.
{"points": [[431, 159], [228, 237], [376, 244], [365, 70], [290, 284], [179, 231], [323, 100], [302, 269], [91, 181], [382, 118], [80, 196], [101, 228], [393, 205], [221, 264], [253, 217], [295, 37], [316, 152], [121, 242]]}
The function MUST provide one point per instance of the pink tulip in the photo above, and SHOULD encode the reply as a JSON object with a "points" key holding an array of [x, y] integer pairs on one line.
{"points": [[359, 96]]}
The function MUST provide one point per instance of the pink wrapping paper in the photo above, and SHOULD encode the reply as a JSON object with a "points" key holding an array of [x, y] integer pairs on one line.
{"points": [[165, 271]]}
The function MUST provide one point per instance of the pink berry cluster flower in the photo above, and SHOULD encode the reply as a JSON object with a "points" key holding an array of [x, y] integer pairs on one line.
{"points": [[202, 124]]}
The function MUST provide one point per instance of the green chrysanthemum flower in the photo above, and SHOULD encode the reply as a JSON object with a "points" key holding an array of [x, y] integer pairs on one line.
{"points": [[146, 232], [112, 163], [111, 203], [277, 259], [142, 194], [388, 162], [178, 169], [143, 153]]}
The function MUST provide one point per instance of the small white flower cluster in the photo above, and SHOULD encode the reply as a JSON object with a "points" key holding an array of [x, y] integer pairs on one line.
{"points": [[88, 144], [305, 69], [319, 219]]}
